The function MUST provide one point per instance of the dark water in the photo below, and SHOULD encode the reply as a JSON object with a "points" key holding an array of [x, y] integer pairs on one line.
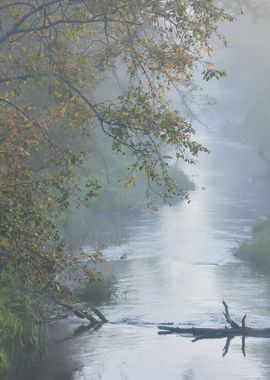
{"points": [[179, 268]]}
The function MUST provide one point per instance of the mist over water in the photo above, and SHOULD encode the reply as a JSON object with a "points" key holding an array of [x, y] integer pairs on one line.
{"points": [[179, 268], [179, 262]]}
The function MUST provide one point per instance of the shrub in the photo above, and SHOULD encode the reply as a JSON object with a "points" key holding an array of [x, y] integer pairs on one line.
{"points": [[98, 291], [257, 249]]}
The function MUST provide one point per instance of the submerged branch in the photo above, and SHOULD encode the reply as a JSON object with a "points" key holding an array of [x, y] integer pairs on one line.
{"points": [[84, 313]]}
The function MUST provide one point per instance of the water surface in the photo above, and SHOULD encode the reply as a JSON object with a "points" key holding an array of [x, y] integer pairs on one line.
{"points": [[179, 267]]}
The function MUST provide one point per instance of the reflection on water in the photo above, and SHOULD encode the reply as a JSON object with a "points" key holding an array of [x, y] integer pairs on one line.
{"points": [[179, 268]]}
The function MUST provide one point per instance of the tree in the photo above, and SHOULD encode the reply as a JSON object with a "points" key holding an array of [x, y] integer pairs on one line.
{"points": [[53, 55]]}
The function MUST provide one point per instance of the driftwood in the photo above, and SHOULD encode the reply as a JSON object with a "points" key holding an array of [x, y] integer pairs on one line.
{"points": [[88, 313], [216, 333], [84, 312]]}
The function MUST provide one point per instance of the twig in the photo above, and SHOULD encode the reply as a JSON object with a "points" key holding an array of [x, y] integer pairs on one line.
{"points": [[228, 317]]}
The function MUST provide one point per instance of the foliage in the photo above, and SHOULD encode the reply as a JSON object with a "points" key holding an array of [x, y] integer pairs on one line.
{"points": [[53, 54], [121, 194], [20, 328], [115, 204], [132, 196], [97, 289], [257, 249]]}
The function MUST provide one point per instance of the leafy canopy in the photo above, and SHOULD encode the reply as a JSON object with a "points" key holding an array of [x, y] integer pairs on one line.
{"points": [[53, 55]]}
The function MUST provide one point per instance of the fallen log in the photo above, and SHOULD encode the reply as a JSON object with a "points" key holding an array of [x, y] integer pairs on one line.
{"points": [[216, 332], [234, 330]]}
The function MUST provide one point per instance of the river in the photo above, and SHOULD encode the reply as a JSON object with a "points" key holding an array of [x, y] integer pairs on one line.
{"points": [[179, 267]]}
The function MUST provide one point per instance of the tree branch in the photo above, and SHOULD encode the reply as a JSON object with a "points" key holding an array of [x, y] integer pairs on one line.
{"points": [[228, 317], [34, 122], [24, 77], [17, 24]]}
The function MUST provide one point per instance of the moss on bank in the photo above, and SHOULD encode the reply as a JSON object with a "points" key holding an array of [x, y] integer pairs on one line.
{"points": [[257, 249]]}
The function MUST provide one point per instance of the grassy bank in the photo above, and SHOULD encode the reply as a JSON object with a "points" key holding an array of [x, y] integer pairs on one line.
{"points": [[22, 335], [257, 249]]}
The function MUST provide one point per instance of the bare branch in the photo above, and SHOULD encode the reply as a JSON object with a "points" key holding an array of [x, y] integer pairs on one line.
{"points": [[228, 317], [17, 24]]}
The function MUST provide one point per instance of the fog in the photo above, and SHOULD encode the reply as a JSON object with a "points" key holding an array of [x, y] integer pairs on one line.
{"points": [[235, 107], [242, 98], [177, 265]]}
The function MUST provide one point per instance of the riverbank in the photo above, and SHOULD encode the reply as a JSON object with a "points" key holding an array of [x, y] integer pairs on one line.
{"points": [[256, 250], [22, 332]]}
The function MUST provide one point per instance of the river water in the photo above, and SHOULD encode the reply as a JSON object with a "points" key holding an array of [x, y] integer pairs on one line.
{"points": [[179, 267]]}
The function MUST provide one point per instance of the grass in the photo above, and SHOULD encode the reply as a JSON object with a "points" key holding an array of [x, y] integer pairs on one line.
{"points": [[20, 330], [4, 364]]}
